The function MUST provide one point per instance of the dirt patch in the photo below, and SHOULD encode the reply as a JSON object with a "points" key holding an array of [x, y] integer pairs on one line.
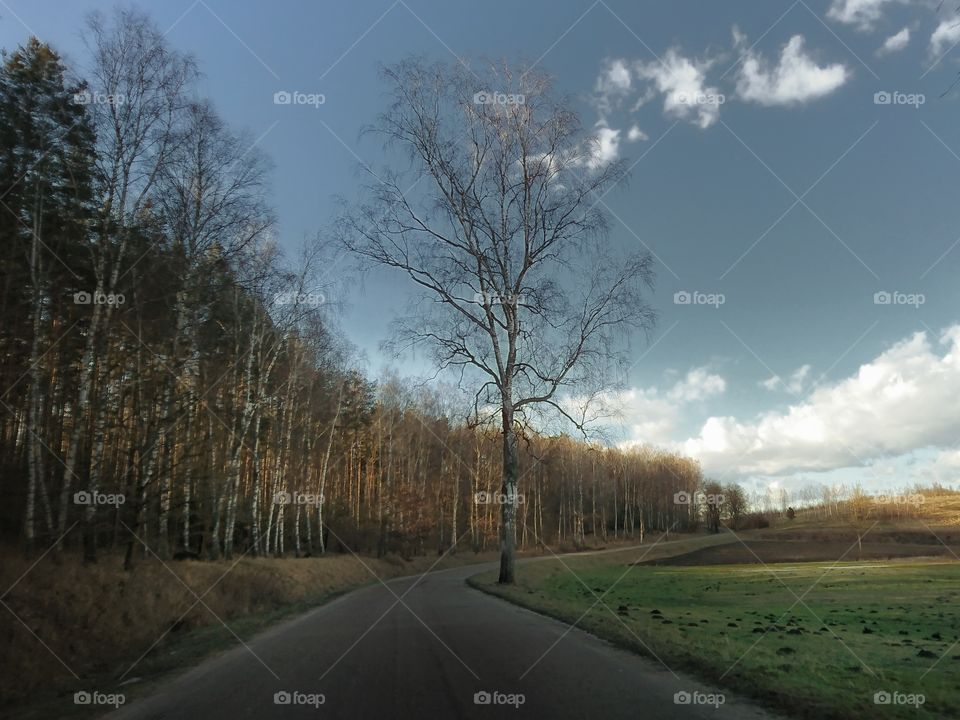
{"points": [[784, 551]]}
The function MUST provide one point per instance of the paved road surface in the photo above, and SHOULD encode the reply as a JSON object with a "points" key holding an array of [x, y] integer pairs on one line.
{"points": [[372, 657]]}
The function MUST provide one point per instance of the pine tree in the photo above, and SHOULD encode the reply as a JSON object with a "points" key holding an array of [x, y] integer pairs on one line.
{"points": [[46, 190]]}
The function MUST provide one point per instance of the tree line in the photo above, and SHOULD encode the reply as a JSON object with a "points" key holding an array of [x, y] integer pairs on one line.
{"points": [[173, 384]]}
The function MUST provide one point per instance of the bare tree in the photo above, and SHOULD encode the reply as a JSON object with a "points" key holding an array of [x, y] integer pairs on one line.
{"points": [[138, 82], [210, 198], [736, 502], [714, 502], [521, 296]]}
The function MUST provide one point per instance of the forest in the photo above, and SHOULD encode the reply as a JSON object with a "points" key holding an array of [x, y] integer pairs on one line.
{"points": [[175, 384]]}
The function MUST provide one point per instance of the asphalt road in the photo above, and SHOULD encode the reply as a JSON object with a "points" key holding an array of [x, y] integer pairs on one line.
{"points": [[368, 655]]}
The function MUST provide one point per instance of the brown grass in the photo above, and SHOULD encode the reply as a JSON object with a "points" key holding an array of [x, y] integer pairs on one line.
{"points": [[936, 508], [96, 621]]}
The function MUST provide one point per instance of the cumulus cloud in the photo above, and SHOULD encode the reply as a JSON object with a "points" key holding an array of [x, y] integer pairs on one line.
{"points": [[652, 415], [862, 14], [635, 133], [895, 43], [698, 384], [897, 403], [795, 385], [682, 82], [794, 79], [944, 37]]}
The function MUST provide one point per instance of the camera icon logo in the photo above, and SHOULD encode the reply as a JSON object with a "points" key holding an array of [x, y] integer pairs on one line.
{"points": [[482, 698], [282, 97], [882, 697], [682, 698], [82, 298], [82, 698], [682, 298], [681, 498], [482, 98], [82, 498], [282, 697], [882, 98], [282, 498], [882, 298]]}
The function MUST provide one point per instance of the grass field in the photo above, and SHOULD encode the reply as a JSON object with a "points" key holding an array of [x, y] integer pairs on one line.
{"points": [[812, 639]]}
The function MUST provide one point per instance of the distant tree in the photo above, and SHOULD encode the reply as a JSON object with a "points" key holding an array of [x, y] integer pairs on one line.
{"points": [[715, 500], [735, 501], [506, 239]]}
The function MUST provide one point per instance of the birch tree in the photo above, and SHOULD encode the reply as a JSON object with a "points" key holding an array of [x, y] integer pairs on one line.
{"points": [[521, 294], [135, 96]]}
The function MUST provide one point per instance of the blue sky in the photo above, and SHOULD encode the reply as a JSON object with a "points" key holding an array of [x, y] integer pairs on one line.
{"points": [[797, 198]]}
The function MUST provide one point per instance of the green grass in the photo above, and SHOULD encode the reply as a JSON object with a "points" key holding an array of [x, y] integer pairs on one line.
{"points": [[861, 627]]}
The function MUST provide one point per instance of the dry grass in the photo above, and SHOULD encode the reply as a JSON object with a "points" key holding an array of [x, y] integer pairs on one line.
{"points": [[96, 621], [909, 508]]}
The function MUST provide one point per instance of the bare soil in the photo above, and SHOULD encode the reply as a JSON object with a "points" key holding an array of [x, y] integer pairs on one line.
{"points": [[790, 551]]}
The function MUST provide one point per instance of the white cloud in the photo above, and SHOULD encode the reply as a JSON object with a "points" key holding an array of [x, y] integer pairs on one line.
{"points": [[863, 14], [606, 147], [895, 43], [682, 82], [651, 415], [771, 383], [945, 468], [698, 384], [944, 37], [616, 78], [795, 79], [613, 84], [794, 386], [898, 403]]}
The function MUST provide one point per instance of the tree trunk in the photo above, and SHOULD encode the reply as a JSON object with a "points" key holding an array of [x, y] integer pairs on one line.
{"points": [[508, 529]]}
